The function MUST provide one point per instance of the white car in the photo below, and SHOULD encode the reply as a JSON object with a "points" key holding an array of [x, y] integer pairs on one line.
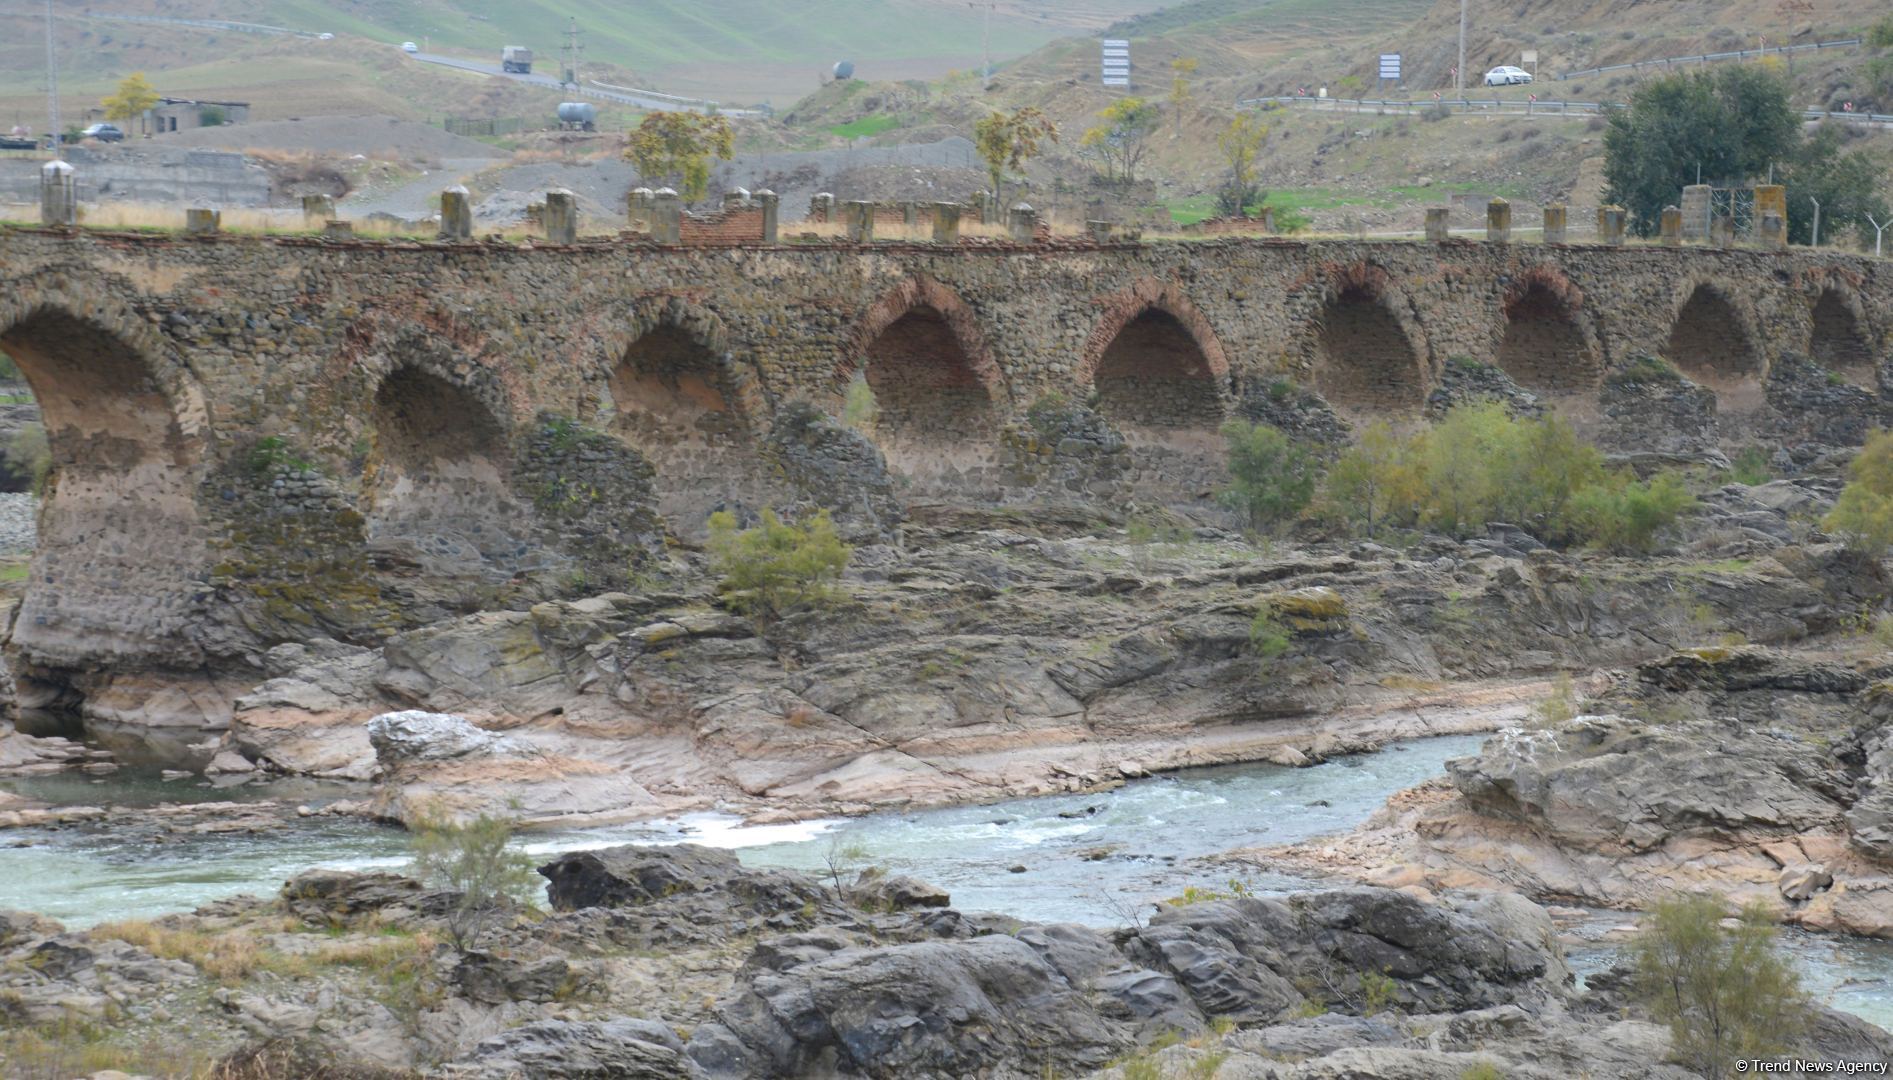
{"points": [[325, 37], [410, 47], [1507, 76]]}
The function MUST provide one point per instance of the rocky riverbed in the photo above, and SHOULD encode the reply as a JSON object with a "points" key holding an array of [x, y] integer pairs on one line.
{"points": [[976, 656], [679, 962]]}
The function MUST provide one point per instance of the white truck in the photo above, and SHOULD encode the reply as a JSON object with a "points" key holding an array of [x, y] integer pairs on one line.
{"points": [[516, 60]]}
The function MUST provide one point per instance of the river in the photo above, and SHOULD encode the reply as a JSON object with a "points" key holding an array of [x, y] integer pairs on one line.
{"points": [[1098, 858]]}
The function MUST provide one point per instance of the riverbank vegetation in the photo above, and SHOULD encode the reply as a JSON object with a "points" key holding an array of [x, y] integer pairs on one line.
{"points": [[1477, 464]]}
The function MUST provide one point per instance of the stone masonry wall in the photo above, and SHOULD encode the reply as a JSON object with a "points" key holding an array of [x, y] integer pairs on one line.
{"points": [[178, 355]]}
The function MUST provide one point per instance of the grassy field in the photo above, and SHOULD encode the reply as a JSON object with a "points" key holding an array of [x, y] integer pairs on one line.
{"points": [[735, 50]]}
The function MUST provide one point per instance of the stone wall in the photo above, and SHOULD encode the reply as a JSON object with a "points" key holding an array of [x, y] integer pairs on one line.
{"points": [[412, 378]]}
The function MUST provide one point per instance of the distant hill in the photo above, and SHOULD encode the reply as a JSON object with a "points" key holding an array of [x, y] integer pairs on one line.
{"points": [[733, 50]]}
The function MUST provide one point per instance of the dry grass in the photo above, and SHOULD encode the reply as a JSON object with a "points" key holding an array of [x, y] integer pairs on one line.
{"points": [[234, 956], [75, 1046]]}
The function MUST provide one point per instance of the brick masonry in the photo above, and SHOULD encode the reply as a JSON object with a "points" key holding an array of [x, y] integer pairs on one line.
{"points": [[410, 378]]}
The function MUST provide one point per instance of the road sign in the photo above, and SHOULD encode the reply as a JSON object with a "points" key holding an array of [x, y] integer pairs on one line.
{"points": [[1530, 56], [1115, 62], [1390, 66]]}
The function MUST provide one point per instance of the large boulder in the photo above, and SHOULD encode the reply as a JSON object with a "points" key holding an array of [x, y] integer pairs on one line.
{"points": [[622, 1048], [931, 1010], [1067, 998], [413, 735], [667, 896]]}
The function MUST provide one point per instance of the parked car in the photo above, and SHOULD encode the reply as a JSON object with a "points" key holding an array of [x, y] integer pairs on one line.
{"points": [[410, 47], [1507, 75], [325, 37], [103, 133], [19, 142]]}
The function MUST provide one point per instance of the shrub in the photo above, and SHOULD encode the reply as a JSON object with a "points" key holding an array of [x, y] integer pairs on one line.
{"points": [[860, 410], [1726, 993], [476, 860], [1479, 464], [1751, 466], [777, 566], [1622, 514], [1268, 638], [1647, 369], [1863, 515], [31, 456], [1271, 479]]}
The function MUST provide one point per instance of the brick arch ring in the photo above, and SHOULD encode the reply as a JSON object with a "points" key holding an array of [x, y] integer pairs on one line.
{"points": [[79, 295], [1554, 283], [1120, 308], [704, 328], [913, 294], [379, 347], [1372, 282]]}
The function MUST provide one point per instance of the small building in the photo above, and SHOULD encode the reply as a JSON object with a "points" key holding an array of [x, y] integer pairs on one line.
{"points": [[183, 114]]}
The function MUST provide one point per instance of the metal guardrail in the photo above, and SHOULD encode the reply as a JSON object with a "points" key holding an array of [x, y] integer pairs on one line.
{"points": [[208, 24], [1497, 107], [1710, 58], [1463, 105], [635, 95]]}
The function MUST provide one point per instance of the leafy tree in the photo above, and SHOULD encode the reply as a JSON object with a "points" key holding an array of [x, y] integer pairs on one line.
{"points": [[1180, 97], [1539, 466], [133, 98], [1457, 455], [1241, 144], [1376, 482], [676, 148], [1880, 69], [1122, 137], [777, 566], [1863, 515], [1271, 478], [1727, 125], [1726, 993], [1008, 142], [1847, 185], [475, 860]]}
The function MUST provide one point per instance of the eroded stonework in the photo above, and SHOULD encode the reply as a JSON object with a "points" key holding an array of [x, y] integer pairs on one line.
{"points": [[260, 440]]}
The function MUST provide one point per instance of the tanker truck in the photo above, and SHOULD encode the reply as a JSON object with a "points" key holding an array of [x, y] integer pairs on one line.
{"points": [[516, 60], [577, 116]]}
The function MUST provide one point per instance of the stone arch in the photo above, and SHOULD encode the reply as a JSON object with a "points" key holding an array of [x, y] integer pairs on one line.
{"points": [[1838, 341], [118, 567], [1364, 342], [1545, 345], [1711, 340], [939, 396], [439, 469], [675, 392], [1155, 362]]}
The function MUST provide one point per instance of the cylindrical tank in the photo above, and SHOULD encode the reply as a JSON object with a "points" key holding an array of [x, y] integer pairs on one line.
{"points": [[577, 112]]}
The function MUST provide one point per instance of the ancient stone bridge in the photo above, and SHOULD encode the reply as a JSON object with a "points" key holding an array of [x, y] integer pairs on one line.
{"points": [[263, 440]]}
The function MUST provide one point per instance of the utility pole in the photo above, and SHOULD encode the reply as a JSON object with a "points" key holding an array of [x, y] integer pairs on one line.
{"points": [[1817, 220], [986, 49], [1459, 82], [574, 51], [52, 84], [1879, 231]]}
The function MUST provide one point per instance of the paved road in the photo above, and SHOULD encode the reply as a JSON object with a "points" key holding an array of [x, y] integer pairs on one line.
{"points": [[649, 100]]}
